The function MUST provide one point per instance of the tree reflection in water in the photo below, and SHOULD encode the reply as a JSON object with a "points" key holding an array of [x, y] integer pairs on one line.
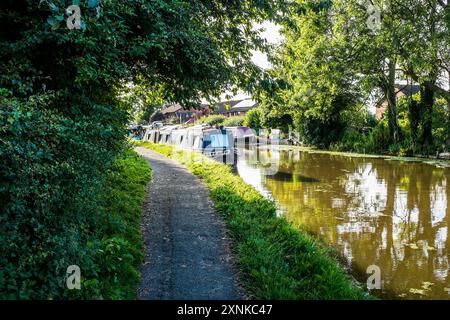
{"points": [[392, 214]]}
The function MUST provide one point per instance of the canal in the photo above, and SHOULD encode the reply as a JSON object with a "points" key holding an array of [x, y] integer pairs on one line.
{"points": [[387, 213]]}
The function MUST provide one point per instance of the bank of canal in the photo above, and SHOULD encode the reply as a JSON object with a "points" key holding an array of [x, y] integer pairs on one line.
{"points": [[275, 260], [374, 211]]}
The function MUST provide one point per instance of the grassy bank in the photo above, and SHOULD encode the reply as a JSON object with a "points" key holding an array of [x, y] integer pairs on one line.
{"points": [[121, 249], [277, 261]]}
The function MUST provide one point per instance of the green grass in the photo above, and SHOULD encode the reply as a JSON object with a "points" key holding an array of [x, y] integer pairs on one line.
{"points": [[277, 261], [121, 249]]}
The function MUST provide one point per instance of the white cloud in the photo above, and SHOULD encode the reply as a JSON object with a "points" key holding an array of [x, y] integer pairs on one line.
{"points": [[273, 36]]}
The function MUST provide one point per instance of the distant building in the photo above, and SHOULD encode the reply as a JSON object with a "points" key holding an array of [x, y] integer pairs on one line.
{"points": [[234, 108], [401, 91], [180, 114]]}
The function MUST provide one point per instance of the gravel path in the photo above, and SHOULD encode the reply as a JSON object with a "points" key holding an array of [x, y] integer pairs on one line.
{"points": [[187, 255]]}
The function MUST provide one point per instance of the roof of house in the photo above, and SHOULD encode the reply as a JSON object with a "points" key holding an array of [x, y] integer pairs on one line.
{"points": [[408, 89], [174, 108], [244, 105], [405, 89], [225, 106], [171, 109]]}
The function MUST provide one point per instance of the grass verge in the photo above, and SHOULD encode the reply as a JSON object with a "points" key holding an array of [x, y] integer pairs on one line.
{"points": [[121, 247], [277, 261]]}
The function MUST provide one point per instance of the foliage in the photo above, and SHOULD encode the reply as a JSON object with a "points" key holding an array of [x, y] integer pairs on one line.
{"points": [[213, 120], [94, 223], [51, 168], [338, 56], [121, 250], [253, 119], [376, 140], [319, 88], [234, 122], [64, 109], [277, 261], [143, 100]]}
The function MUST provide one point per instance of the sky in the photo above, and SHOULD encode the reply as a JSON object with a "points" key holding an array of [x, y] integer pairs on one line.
{"points": [[273, 36]]}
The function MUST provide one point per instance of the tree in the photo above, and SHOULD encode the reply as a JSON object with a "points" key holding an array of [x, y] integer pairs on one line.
{"points": [[63, 120], [426, 55], [337, 53], [375, 35], [315, 65]]}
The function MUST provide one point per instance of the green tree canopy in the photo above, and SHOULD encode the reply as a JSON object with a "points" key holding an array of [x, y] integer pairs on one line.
{"points": [[63, 115]]}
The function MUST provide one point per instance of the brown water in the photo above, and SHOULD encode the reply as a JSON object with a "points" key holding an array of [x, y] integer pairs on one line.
{"points": [[392, 214]]}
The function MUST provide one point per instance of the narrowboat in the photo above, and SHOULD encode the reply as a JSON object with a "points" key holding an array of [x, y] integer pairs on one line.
{"points": [[216, 143]]}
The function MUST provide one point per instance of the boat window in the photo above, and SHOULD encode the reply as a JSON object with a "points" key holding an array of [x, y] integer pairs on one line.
{"points": [[219, 141]]}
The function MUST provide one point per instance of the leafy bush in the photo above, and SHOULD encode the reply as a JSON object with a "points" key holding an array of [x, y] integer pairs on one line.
{"points": [[234, 122], [277, 260], [62, 116], [320, 132], [353, 141], [53, 213], [213, 120], [51, 168], [253, 119]]}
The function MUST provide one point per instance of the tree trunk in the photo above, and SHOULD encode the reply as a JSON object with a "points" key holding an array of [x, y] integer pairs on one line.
{"points": [[448, 117], [414, 122], [426, 104], [392, 104]]}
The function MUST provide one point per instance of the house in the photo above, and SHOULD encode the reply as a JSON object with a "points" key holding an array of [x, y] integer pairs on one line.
{"points": [[235, 107], [223, 108], [401, 91], [180, 114]]}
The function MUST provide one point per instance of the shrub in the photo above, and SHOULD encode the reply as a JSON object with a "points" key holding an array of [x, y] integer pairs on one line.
{"points": [[213, 120], [378, 139], [234, 122], [253, 119], [52, 172]]}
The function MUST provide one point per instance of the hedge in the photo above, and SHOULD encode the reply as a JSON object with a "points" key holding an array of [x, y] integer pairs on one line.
{"points": [[55, 210]]}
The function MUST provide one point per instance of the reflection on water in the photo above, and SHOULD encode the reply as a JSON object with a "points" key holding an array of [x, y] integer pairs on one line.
{"points": [[387, 213]]}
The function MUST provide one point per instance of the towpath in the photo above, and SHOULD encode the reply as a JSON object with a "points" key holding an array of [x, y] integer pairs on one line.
{"points": [[187, 255]]}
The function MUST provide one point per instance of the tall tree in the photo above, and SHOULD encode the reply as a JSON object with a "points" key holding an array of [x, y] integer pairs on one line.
{"points": [[314, 62], [426, 54], [62, 121], [375, 33]]}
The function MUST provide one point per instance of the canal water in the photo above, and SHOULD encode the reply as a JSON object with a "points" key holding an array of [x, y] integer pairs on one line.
{"points": [[387, 213]]}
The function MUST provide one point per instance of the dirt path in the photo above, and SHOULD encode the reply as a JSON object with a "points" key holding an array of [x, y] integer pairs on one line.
{"points": [[186, 251]]}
